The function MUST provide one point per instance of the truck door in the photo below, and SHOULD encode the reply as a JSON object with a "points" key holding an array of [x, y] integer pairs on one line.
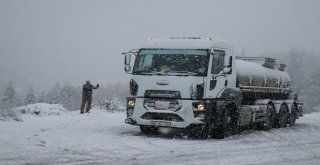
{"points": [[216, 78]]}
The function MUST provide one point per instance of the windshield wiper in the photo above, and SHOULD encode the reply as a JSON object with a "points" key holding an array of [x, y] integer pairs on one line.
{"points": [[146, 72], [185, 72], [143, 72]]}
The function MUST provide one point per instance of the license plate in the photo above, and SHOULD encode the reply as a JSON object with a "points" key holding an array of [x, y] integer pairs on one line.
{"points": [[160, 123], [162, 105]]}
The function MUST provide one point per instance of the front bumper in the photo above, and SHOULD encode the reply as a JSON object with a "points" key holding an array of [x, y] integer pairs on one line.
{"points": [[181, 118]]}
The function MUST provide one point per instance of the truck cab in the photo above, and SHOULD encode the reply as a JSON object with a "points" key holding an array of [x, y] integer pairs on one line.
{"points": [[173, 78]]}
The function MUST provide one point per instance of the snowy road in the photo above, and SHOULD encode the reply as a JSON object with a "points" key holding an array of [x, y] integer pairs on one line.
{"points": [[103, 138]]}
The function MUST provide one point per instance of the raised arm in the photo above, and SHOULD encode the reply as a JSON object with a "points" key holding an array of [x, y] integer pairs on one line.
{"points": [[96, 87]]}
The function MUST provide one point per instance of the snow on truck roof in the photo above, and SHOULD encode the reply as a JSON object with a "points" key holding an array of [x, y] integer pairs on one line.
{"points": [[186, 43]]}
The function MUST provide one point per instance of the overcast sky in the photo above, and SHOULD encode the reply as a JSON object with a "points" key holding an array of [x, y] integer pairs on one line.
{"points": [[48, 41]]}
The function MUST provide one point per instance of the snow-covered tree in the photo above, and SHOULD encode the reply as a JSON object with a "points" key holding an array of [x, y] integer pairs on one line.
{"points": [[42, 98], [100, 95], [76, 98], [66, 95], [303, 68], [113, 92], [310, 93], [54, 95], [9, 96], [30, 97]]}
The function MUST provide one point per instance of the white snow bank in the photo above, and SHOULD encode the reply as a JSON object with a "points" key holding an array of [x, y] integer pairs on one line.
{"points": [[8, 114], [100, 137], [41, 109]]}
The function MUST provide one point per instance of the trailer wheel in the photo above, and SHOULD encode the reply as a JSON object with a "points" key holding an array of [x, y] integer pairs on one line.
{"points": [[267, 125], [282, 117], [293, 116], [149, 129]]}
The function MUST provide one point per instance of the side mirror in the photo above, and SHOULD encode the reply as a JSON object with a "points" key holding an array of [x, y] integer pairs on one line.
{"points": [[227, 70], [230, 62], [127, 58], [127, 68]]}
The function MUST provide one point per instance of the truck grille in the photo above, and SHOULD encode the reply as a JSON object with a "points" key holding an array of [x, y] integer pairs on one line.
{"points": [[162, 104], [162, 94], [162, 100], [162, 116]]}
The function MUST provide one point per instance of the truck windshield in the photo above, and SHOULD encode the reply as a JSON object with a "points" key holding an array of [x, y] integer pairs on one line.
{"points": [[172, 62]]}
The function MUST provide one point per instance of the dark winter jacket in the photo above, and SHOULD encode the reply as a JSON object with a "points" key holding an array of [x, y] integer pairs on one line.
{"points": [[87, 90]]}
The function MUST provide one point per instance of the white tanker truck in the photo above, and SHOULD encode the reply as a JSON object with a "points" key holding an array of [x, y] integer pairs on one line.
{"points": [[200, 86]]}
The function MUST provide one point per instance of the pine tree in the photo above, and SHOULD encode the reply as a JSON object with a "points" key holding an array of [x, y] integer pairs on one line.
{"points": [[66, 95], [54, 95], [30, 97], [9, 96], [99, 96], [76, 98], [42, 98], [311, 93]]}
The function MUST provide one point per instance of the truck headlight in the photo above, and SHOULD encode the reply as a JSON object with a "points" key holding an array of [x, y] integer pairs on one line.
{"points": [[201, 106], [130, 106], [131, 103], [199, 110]]}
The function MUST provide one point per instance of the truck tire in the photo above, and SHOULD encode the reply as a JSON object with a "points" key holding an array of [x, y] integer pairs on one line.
{"points": [[282, 117], [293, 116], [149, 129], [229, 123], [267, 125]]}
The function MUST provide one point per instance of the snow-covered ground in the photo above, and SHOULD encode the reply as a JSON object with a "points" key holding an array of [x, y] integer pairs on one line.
{"points": [[103, 138]]}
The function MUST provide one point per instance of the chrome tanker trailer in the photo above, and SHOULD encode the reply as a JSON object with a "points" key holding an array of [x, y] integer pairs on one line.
{"points": [[200, 86]]}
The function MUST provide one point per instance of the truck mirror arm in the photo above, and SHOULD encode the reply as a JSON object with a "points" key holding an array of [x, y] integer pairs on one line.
{"points": [[133, 51]]}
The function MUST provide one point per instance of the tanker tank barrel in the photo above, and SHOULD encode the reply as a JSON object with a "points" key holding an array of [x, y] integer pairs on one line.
{"points": [[268, 62], [251, 73]]}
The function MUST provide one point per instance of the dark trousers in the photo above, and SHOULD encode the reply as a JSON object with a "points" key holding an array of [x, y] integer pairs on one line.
{"points": [[86, 100]]}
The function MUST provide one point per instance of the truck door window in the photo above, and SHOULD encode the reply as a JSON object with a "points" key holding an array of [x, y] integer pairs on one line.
{"points": [[217, 62], [145, 62]]}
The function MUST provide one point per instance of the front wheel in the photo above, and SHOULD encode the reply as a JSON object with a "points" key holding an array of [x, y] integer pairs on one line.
{"points": [[229, 123], [149, 129]]}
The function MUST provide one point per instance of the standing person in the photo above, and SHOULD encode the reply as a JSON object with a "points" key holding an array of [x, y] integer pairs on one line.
{"points": [[87, 96]]}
